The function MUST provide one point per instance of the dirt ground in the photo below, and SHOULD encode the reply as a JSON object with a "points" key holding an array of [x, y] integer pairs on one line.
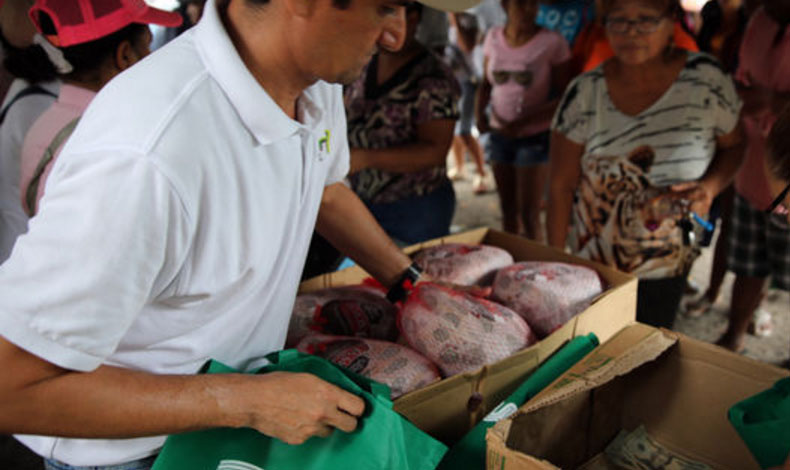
{"points": [[482, 210]]}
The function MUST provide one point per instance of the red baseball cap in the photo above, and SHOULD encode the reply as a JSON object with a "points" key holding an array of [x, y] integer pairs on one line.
{"points": [[81, 21]]}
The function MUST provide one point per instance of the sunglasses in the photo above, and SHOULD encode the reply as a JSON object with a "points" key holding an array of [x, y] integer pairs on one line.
{"points": [[778, 201], [523, 77]]}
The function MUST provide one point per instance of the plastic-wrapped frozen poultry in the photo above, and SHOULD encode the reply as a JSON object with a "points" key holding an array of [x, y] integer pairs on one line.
{"points": [[397, 366], [462, 264], [546, 294], [459, 332], [347, 311]]}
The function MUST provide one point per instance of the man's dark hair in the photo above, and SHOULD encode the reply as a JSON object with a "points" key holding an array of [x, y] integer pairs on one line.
{"points": [[29, 63], [88, 58], [339, 4]]}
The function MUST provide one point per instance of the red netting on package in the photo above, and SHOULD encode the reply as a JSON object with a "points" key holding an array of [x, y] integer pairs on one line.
{"points": [[546, 294], [399, 367], [350, 311], [458, 332], [462, 264]]}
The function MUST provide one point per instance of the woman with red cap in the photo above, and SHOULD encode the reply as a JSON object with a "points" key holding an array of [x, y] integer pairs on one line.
{"points": [[94, 52]]}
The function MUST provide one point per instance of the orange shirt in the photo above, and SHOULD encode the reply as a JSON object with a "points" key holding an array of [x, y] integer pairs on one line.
{"points": [[592, 47]]}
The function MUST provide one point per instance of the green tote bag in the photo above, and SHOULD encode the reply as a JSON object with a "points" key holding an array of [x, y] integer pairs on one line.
{"points": [[383, 439], [763, 422]]}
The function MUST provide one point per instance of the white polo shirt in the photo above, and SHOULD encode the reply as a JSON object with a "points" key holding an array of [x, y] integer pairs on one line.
{"points": [[175, 225]]}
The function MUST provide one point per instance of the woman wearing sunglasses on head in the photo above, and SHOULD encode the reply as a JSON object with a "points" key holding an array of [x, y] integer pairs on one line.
{"points": [[524, 67], [640, 145]]}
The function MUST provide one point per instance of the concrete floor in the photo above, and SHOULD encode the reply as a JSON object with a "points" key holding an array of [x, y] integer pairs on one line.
{"points": [[482, 210]]}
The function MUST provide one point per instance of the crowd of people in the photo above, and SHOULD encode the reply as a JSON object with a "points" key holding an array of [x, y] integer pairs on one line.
{"points": [[158, 209]]}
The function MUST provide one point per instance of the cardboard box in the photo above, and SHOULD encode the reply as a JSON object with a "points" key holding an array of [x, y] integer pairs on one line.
{"points": [[449, 408], [679, 388]]}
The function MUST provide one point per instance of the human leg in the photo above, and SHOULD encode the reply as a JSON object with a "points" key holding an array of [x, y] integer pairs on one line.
{"points": [[473, 146], [505, 177], [748, 258], [719, 266], [532, 154], [501, 154], [530, 182], [458, 150], [747, 293]]}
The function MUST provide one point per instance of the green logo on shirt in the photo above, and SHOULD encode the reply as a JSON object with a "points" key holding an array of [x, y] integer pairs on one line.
{"points": [[323, 144]]}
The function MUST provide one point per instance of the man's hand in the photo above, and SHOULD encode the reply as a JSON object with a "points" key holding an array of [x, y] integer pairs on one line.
{"points": [[294, 407], [698, 193]]}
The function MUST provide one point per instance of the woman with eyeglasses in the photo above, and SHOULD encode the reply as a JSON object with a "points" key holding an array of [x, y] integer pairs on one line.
{"points": [[640, 145], [525, 67]]}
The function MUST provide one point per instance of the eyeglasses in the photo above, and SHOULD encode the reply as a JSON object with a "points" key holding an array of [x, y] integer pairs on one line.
{"points": [[778, 201], [522, 77], [642, 25]]}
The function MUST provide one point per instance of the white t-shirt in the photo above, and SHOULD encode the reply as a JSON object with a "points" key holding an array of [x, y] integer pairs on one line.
{"points": [[18, 120], [175, 225], [627, 159]]}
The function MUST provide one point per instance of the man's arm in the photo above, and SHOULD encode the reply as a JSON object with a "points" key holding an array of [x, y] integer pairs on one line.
{"points": [[37, 397], [345, 221], [429, 151]]}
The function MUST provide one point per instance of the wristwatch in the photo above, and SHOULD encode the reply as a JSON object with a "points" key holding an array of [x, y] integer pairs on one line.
{"points": [[401, 289]]}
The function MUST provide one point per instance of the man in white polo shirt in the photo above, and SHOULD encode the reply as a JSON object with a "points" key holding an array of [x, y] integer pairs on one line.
{"points": [[174, 228]]}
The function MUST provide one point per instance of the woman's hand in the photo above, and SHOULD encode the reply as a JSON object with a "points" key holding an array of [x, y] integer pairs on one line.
{"points": [[699, 194]]}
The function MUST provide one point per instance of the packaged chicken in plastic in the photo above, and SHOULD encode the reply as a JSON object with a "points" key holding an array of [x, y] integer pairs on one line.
{"points": [[397, 366], [347, 311], [459, 332], [462, 264], [546, 294]]}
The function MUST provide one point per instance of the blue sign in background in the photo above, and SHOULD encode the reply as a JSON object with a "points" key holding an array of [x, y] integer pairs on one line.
{"points": [[566, 18]]}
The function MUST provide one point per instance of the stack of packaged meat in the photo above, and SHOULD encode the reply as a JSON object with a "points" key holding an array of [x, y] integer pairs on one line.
{"points": [[546, 294], [462, 264], [346, 311], [402, 369], [446, 330], [459, 332]]}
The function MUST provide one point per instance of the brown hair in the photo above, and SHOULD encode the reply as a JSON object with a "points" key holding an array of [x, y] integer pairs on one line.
{"points": [[671, 8], [778, 154]]}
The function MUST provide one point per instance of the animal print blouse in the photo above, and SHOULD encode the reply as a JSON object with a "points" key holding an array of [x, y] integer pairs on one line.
{"points": [[627, 159], [388, 114]]}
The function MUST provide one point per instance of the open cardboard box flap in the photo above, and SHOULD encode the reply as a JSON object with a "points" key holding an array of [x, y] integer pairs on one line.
{"points": [[679, 388], [449, 408]]}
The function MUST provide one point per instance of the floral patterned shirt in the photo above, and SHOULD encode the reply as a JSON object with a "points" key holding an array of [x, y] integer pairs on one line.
{"points": [[387, 115]]}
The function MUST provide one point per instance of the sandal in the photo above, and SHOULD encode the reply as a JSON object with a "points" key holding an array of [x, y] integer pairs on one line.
{"points": [[762, 324], [699, 307]]}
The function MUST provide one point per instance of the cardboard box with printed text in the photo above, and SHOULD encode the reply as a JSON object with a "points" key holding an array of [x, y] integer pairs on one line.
{"points": [[449, 408]]}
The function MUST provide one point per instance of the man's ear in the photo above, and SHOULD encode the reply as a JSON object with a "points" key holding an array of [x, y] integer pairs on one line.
{"points": [[125, 55], [303, 8]]}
